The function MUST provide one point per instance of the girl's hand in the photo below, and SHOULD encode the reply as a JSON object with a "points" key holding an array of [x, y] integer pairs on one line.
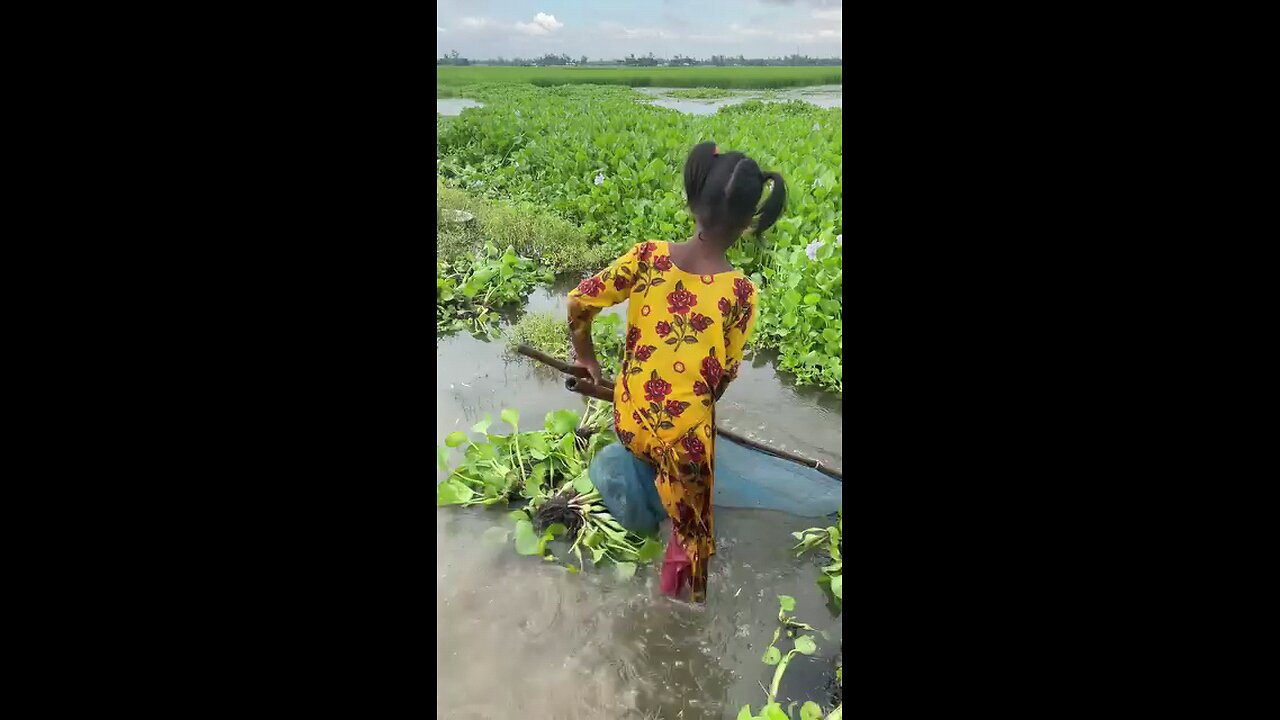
{"points": [[592, 366]]}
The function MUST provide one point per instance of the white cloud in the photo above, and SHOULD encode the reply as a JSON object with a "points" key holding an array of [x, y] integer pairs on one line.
{"points": [[619, 32], [543, 24], [834, 15], [474, 23], [736, 29]]}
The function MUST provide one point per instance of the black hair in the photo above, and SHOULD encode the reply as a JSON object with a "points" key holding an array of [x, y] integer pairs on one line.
{"points": [[723, 190]]}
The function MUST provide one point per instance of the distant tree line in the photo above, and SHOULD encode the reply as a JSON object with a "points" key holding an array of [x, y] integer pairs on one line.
{"points": [[452, 59], [649, 60]]}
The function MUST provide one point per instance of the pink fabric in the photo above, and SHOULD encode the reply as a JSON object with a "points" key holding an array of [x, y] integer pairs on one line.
{"points": [[675, 568]]}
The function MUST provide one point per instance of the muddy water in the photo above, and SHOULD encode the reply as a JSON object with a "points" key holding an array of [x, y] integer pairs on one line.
{"points": [[824, 96], [521, 638], [453, 106]]}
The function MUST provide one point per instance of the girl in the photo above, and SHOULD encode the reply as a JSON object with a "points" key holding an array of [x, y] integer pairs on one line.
{"points": [[690, 316]]}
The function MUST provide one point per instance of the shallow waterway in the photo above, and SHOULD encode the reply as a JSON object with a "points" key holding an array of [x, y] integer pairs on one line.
{"points": [[521, 638]]}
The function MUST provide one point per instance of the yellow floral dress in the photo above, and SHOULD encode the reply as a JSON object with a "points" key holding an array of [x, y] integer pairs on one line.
{"points": [[685, 337]]}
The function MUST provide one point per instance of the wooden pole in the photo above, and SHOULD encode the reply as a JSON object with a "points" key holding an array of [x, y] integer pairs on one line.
{"points": [[579, 383]]}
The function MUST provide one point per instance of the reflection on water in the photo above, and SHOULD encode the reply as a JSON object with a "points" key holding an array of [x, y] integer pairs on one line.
{"points": [[824, 96], [520, 638], [453, 106]]}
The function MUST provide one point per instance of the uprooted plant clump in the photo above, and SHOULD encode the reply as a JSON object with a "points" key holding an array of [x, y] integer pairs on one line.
{"points": [[547, 469]]}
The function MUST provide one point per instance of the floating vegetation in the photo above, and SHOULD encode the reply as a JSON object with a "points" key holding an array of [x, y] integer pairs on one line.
{"points": [[829, 538], [704, 93], [801, 645], [549, 333], [610, 167], [547, 470], [470, 289]]}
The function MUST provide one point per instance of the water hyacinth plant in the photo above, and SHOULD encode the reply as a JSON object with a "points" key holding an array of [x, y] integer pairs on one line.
{"points": [[830, 540], [802, 645], [547, 471], [611, 164], [470, 289]]}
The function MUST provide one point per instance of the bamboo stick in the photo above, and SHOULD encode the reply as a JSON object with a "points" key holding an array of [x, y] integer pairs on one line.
{"points": [[588, 388], [579, 383]]}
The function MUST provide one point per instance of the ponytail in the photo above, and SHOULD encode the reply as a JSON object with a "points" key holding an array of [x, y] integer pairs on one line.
{"points": [[696, 169], [772, 208], [723, 190]]}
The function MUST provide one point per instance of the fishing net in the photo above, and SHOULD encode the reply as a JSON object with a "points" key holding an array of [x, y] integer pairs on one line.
{"points": [[745, 478]]}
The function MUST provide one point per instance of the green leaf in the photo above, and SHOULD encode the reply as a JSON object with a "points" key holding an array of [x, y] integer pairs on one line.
{"points": [[511, 417], [455, 438], [812, 299], [537, 444], [527, 543], [452, 492], [442, 458], [745, 713], [498, 535], [561, 421], [806, 645], [649, 550], [837, 586], [582, 484], [810, 711], [774, 711], [536, 478], [771, 656], [555, 530], [786, 602], [626, 570], [483, 426]]}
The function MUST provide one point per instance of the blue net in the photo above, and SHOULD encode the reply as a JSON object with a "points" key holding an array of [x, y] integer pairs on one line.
{"points": [[745, 478]]}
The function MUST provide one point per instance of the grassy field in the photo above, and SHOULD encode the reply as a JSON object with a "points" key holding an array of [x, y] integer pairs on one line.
{"points": [[720, 77]]}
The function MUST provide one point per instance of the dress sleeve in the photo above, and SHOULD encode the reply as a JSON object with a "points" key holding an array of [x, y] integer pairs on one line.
{"points": [[604, 289], [742, 322]]}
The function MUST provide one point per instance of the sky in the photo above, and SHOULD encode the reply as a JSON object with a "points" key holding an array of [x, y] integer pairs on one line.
{"points": [[607, 29]]}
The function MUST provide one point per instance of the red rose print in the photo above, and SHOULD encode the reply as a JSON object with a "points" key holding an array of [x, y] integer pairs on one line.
{"points": [[742, 324], [675, 407], [725, 307], [626, 437], [617, 416], [621, 282], [680, 300], [700, 388], [591, 286], [694, 447], [635, 416], [644, 251], [699, 322], [646, 310], [711, 370], [656, 389], [678, 367], [662, 262], [633, 336], [663, 329], [742, 288], [644, 351]]}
